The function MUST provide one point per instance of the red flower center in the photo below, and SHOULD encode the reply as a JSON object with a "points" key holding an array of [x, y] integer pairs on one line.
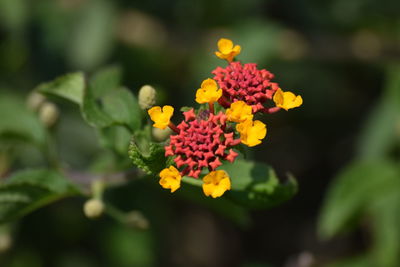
{"points": [[201, 142], [246, 83]]}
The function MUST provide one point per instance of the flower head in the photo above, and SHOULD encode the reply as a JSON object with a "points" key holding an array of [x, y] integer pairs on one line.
{"points": [[202, 142], [209, 92], [246, 83], [170, 178], [216, 183], [251, 132], [161, 117], [227, 50], [287, 100], [239, 112]]}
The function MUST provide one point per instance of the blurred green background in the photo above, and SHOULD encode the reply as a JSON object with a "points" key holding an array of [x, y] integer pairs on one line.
{"points": [[342, 145]]}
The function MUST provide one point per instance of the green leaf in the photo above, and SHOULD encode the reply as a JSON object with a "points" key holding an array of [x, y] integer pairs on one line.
{"points": [[123, 108], [153, 161], [92, 112], [92, 37], [385, 217], [352, 191], [116, 138], [102, 103], [18, 123], [381, 129], [224, 206], [256, 185], [70, 86], [105, 80], [29, 190]]}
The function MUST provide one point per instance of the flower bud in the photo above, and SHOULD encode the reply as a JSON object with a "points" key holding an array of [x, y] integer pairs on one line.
{"points": [[5, 242], [137, 220], [93, 208], [48, 114], [35, 100], [147, 97], [161, 135]]}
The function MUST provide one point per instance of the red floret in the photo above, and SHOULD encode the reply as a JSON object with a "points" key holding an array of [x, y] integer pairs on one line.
{"points": [[246, 83], [201, 142]]}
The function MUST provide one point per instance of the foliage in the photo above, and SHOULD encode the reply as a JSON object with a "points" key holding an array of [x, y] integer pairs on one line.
{"points": [[368, 187], [29, 190]]}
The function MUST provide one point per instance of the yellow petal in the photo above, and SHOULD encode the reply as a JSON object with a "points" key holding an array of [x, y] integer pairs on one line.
{"points": [[161, 117], [168, 111], [209, 84], [239, 112], [225, 45], [227, 50], [287, 100], [251, 132], [237, 49], [216, 183], [170, 178], [209, 92]]}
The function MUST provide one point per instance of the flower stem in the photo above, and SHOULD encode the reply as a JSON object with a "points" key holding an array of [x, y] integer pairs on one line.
{"points": [[173, 127], [211, 107]]}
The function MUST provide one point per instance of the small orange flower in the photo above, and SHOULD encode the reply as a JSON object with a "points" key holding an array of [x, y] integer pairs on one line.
{"points": [[216, 183], [251, 132], [287, 100], [239, 112], [209, 92], [161, 117], [170, 178], [227, 50]]}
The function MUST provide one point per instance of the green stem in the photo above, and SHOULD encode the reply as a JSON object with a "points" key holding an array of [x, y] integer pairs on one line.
{"points": [[115, 213], [192, 181]]}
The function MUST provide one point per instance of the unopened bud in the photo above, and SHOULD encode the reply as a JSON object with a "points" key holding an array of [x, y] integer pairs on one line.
{"points": [[48, 114], [136, 219], [5, 242], [161, 134], [93, 208], [97, 187], [35, 100], [147, 97]]}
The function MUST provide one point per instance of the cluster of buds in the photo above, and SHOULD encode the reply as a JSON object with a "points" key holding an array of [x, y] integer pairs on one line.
{"points": [[204, 139]]}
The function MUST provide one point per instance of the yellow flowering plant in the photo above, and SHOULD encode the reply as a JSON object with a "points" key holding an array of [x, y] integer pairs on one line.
{"points": [[204, 150], [207, 141]]}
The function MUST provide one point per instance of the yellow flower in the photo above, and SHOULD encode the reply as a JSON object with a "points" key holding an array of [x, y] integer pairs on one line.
{"points": [[209, 92], [227, 50], [287, 100], [251, 132], [239, 112], [160, 117], [216, 183], [170, 178]]}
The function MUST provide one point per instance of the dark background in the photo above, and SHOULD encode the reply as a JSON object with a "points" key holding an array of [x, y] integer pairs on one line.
{"points": [[333, 53]]}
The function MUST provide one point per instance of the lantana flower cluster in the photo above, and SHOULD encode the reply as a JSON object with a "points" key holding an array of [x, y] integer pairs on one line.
{"points": [[205, 139]]}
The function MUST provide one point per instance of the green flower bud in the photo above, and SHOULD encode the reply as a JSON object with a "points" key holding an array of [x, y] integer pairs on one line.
{"points": [[136, 219], [35, 100], [48, 114], [93, 208], [161, 135], [5, 242], [147, 96]]}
